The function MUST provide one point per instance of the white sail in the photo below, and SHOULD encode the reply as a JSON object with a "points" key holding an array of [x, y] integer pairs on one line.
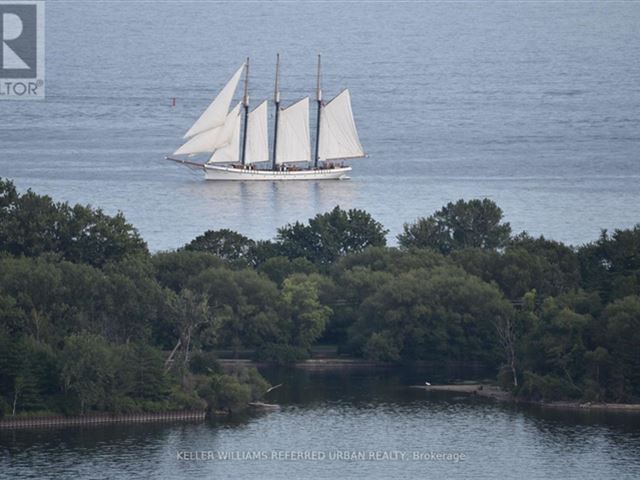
{"points": [[229, 150], [205, 142], [215, 114], [257, 135], [338, 134], [293, 142]]}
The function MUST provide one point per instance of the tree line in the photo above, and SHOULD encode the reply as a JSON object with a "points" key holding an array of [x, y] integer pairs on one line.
{"points": [[91, 320]]}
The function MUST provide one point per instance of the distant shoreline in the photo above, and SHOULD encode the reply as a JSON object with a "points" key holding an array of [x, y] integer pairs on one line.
{"points": [[495, 393], [473, 389], [478, 389], [335, 363], [310, 364]]}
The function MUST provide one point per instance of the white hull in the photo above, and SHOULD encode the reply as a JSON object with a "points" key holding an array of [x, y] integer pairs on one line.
{"points": [[213, 172], [219, 172]]}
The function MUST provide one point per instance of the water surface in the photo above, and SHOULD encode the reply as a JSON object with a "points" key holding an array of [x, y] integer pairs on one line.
{"points": [[532, 104], [342, 413]]}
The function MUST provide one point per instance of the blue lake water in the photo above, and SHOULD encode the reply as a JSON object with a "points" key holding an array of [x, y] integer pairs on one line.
{"points": [[534, 105]]}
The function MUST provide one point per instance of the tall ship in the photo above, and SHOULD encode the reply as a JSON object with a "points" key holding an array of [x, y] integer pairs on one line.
{"points": [[236, 140]]}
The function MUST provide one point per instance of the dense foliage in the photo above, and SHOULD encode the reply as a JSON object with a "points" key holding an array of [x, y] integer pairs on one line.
{"points": [[90, 320], [32, 224], [472, 224]]}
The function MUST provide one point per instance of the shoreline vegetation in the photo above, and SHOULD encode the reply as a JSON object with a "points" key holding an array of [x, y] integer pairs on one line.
{"points": [[494, 392], [91, 321]]}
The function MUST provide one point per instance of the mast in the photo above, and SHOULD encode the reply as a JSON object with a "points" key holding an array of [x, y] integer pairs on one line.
{"points": [[276, 100], [319, 99], [245, 103]]}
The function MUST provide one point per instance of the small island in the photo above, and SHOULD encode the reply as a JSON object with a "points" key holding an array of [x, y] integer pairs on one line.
{"points": [[92, 323]]}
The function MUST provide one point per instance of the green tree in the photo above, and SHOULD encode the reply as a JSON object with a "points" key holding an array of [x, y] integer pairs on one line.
{"points": [[225, 244], [32, 224], [382, 346], [133, 300], [263, 250], [599, 365], [476, 223], [174, 270], [38, 289], [139, 372], [622, 319], [563, 260], [12, 317], [441, 314], [330, 235], [246, 305], [29, 223], [525, 264], [278, 268], [308, 316], [611, 265], [8, 195], [90, 236], [391, 260], [563, 341], [226, 392], [353, 287], [555, 347], [191, 316], [20, 375], [87, 369]]}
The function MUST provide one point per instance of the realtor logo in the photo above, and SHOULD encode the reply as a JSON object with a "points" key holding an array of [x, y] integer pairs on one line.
{"points": [[22, 52]]}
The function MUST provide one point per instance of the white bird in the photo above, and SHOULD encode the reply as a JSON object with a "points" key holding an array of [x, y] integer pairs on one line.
{"points": [[427, 383], [273, 388]]}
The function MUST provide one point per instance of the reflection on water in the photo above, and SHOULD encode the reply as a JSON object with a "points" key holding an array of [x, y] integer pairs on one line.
{"points": [[229, 204], [346, 411]]}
